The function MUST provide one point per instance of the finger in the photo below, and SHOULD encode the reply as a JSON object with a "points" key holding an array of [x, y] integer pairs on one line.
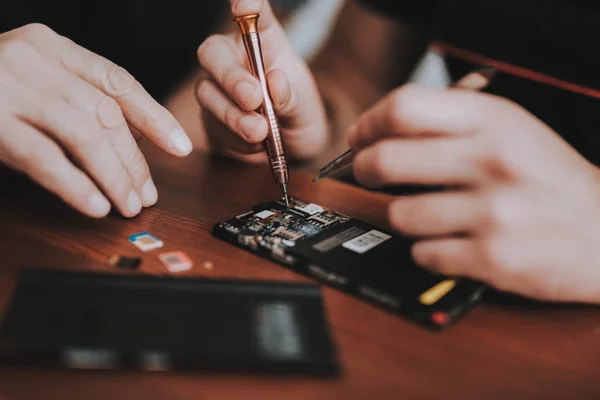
{"points": [[124, 144], [80, 134], [438, 214], [419, 111], [477, 80], [223, 140], [248, 126], [445, 161], [54, 80], [449, 256], [43, 161], [222, 63], [139, 108]]}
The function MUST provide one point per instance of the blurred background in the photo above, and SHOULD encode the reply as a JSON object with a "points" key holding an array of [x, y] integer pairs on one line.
{"points": [[310, 21], [137, 34]]}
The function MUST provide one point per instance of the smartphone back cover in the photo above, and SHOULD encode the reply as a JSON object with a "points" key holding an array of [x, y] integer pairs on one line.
{"points": [[111, 321]]}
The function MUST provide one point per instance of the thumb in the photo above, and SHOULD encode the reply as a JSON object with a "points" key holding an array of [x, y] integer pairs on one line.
{"points": [[267, 17]]}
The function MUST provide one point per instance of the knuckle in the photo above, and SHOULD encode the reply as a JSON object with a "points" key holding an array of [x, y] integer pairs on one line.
{"points": [[36, 30], [108, 112], [72, 59], [118, 82], [151, 120]]}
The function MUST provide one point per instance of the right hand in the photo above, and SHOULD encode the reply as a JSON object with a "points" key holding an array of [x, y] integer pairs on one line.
{"points": [[229, 94], [59, 100]]}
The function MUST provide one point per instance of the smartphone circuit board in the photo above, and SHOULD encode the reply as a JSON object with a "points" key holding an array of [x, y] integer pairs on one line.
{"points": [[353, 256]]}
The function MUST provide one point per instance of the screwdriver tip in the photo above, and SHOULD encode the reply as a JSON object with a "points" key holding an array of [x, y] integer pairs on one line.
{"points": [[285, 194]]}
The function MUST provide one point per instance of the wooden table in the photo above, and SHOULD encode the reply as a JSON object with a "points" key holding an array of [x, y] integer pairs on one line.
{"points": [[503, 349]]}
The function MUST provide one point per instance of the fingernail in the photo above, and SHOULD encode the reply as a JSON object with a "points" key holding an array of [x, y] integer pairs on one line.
{"points": [[243, 92], [98, 205], [134, 203], [149, 193], [181, 142], [250, 125]]}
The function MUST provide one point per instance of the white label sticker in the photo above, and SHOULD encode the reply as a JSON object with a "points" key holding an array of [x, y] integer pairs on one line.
{"points": [[312, 209], [263, 214], [365, 242]]}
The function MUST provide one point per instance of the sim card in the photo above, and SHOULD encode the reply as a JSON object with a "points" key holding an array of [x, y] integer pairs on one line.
{"points": [[145, 241], [176, 261]]}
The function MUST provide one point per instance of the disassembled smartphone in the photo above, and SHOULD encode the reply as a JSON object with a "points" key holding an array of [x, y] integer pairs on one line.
{"points": [[353, 256]]}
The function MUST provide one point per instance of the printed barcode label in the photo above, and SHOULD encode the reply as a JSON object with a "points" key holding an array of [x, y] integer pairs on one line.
{"points": [[336, 240], [366, 242]]}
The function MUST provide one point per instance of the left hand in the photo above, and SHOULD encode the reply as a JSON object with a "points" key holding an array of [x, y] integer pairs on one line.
{"points": [[522, 209]]}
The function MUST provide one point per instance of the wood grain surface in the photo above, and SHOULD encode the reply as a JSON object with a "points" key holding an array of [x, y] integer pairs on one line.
{"points": [[505, 348]]}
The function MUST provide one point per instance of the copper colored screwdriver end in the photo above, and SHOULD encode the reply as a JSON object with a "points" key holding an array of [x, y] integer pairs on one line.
{"points": [[248, 25]]}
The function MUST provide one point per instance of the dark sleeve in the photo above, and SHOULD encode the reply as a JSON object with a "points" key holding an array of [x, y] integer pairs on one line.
{"points": [[419, 11]]}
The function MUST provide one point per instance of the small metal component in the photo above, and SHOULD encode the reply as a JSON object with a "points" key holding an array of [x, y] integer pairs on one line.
{"points": [[248, 25]]}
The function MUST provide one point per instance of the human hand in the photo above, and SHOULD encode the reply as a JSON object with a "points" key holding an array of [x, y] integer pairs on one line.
{"points": [[67, 116], [522, 209], [229, 94]]}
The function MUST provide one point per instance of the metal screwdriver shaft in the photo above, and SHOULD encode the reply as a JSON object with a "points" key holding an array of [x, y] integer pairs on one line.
{"points": [[248, 25]]}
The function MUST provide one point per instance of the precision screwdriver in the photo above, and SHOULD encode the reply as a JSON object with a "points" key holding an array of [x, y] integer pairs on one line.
{"points": [[248, 25]]}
